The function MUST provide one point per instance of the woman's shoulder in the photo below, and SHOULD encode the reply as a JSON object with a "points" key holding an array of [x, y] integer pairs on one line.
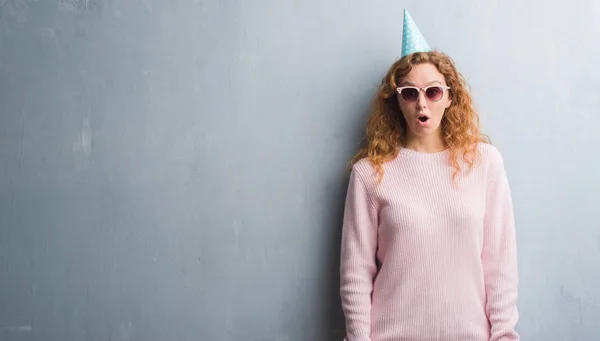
{"points": [[365, 170], [364, 167], [489, 151], [491, 157]]}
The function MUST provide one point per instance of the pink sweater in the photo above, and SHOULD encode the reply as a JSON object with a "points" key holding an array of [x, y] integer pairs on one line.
{"points": [[422, 260]]}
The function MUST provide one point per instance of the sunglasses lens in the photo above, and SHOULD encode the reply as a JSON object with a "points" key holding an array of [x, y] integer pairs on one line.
{"points": [[434, 93], [409, 94]]}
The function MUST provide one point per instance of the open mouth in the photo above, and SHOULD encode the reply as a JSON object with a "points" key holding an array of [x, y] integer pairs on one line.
{"points": [[423, 118]]}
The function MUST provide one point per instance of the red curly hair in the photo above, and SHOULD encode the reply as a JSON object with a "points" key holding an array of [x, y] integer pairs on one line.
{"points": [[386, 126]]}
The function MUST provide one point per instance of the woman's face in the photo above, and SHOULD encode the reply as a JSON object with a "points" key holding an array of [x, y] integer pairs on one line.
{"points": [[423, 100]]}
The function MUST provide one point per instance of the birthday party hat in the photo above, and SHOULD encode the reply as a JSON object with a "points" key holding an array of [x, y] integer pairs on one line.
{"points": [[412, 39]]}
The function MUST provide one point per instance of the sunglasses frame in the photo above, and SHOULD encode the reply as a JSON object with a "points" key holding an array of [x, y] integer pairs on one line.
{"points": [[443, 87]]}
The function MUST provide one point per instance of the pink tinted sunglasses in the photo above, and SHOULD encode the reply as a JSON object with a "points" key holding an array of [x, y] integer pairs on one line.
{"points": [[411, 93]]}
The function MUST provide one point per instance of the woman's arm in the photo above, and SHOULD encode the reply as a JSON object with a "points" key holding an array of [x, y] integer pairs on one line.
{"points": [[499, 255], [358, 266]]}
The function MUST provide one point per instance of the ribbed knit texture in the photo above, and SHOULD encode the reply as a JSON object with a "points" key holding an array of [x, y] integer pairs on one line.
{"points": [[425, 260]]}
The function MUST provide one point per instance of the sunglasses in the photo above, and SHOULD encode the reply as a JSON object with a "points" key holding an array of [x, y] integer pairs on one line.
{"points": [[411, 93]]}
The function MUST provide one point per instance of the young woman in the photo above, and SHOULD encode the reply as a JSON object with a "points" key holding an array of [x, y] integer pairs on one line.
{"points": [[428, 241]]}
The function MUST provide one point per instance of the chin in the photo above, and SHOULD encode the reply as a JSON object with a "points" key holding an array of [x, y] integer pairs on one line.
{"points": [[425, 131]]}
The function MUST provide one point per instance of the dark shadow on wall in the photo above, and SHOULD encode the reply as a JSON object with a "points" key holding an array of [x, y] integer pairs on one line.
{"points": [[334, 315], [335, 321]]}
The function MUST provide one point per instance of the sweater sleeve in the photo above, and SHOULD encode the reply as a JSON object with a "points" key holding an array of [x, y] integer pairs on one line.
{"points": [[499, 255], [358, 265]]}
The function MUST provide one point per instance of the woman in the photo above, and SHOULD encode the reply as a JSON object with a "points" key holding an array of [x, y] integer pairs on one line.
{"points": [[428, 241]]}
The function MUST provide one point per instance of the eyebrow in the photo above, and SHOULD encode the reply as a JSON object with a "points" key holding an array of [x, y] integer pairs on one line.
{"points": [[411, 84]]}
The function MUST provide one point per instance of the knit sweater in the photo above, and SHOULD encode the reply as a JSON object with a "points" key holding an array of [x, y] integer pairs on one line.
{"points": [[423, 259]]}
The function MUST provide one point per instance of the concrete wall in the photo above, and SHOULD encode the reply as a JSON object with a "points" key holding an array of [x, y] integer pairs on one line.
{"points": [[174, 170]]}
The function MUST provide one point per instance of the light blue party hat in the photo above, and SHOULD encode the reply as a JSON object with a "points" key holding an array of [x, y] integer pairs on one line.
{"points": [[412, 39]]}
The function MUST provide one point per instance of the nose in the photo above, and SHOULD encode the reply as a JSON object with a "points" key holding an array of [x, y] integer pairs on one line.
{"points": [[421, 100]]}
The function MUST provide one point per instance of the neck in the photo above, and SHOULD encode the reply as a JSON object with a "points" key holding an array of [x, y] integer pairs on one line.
{"points": [[426, 144]]}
